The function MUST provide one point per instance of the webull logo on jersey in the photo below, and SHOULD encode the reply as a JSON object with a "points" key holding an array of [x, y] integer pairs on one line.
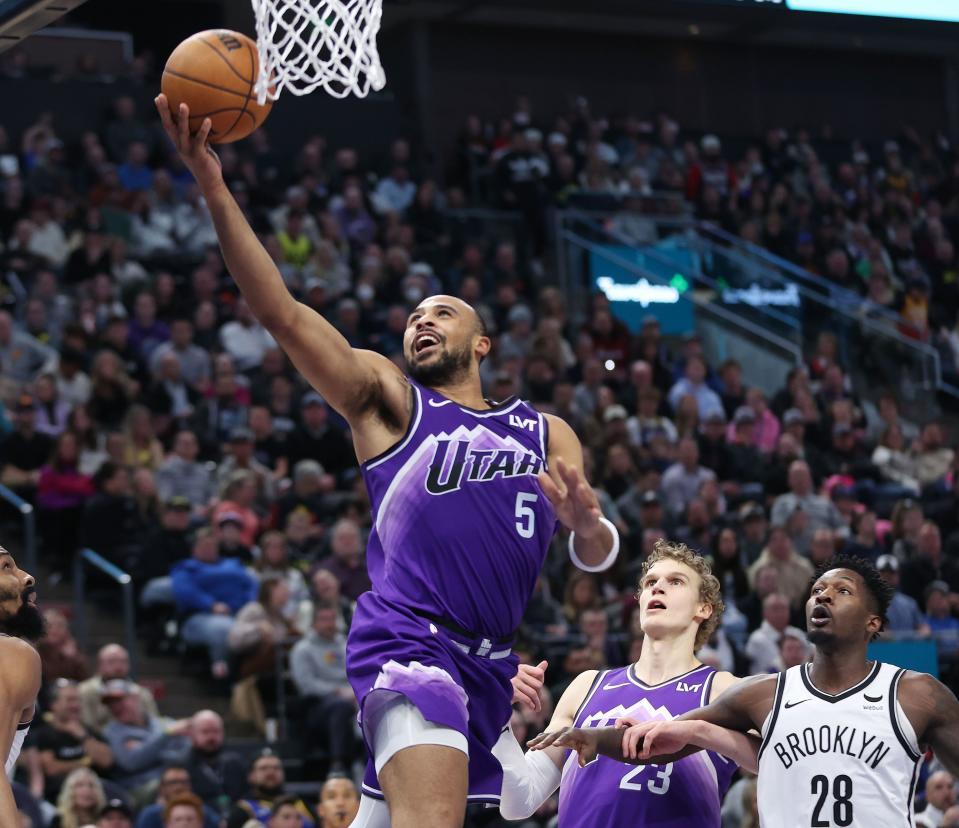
{"points": [[827, 738], [477, 457]]}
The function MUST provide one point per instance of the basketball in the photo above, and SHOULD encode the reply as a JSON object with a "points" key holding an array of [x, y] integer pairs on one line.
{"points": [[213, 73]]}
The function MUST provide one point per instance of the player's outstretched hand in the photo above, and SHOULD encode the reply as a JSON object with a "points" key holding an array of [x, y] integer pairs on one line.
{"points": [[582, 740], [642, 740], [527, 683], [573, 499], [195, 150]]}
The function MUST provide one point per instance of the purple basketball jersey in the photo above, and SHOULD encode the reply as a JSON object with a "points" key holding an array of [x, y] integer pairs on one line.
{"points": [[461, 525], [680, 794]]}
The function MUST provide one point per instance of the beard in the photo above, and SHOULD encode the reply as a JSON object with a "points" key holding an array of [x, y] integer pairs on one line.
{"points": [[270, 791], [26, 623], [448, 367]]}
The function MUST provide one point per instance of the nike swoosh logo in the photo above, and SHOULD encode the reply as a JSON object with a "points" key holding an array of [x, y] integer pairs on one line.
{"points": [[439, 404], [614, 686], [793, 704], [871, 699]]}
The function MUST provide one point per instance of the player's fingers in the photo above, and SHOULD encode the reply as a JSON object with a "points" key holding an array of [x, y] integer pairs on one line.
{"points": [[542, 666], [630, 741], [203, 134], [526, 697], [544, 740], [550, 488], [625, 721], [163, 108], [183, 126]]}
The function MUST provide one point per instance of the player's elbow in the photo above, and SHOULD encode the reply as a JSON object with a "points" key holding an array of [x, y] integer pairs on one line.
{"points": [[512, 810]]}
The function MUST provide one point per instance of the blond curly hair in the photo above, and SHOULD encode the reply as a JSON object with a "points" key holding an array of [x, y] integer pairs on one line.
{"points": [[710, 590]]}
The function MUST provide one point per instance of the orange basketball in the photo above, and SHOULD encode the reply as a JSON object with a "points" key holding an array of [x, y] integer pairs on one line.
{"points": [[213, 73]]}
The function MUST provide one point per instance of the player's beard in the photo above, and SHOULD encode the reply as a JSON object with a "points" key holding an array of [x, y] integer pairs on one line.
{"points": [[823, 639], [26, 623], [446, 370]]}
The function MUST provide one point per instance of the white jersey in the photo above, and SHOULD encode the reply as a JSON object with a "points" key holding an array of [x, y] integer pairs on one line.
{"points": [[16, 746], [835, 761]]}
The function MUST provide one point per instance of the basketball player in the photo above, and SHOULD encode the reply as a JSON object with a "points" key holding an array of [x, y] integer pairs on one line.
{"points": [[21, 626], [842, 737], [463, 516], [680, 607]]}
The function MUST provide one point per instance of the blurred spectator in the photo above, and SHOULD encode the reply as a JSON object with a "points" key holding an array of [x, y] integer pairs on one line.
{"points": [[112, 525], [52, 412], [943, 624], [64, 742], [174, 782], [339, 802], [217, 775], [318, 668], [245, 339], [113, 664], [142, 744], [209, 592], [894, 462], [80, 800], [928, 564], [274, 562], [194, 360], [59, 655], [237, 496], [62, 493], [933, 457], [315, 437], [24, 451], [795, 572], [693, 383], [820, 512], [682, 480], [325, 589], [267, 782], [940, 797], [346, 559], [239, 457], [182, 475], [905, 617], [762, 649], [260, 628], [115, 814], [185, 810]]}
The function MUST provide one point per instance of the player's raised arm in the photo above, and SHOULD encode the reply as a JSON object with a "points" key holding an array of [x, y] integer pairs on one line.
{"points": [[352, 381], [594, 542]]}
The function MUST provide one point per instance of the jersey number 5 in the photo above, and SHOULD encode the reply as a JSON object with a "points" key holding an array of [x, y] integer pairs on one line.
{"points": [[525, 516], [657, 785], [842, 801]]}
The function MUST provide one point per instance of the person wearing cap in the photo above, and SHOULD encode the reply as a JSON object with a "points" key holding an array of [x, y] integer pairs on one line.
{"points": [[24, 451], [142, 744], [316, 438], [113, 664], [208, 593], [182, 475], [905, 619], [115, 814], [745, 463], [239, 457]]}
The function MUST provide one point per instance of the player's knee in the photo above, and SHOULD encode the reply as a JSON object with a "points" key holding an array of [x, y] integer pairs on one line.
{"points": [[437, 812]]}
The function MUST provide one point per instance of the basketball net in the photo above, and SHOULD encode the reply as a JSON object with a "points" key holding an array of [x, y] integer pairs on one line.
{"points": [[304, 44]]}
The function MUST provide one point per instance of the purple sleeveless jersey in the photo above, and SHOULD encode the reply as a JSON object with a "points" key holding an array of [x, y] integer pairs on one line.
{"points": [[683, 794], [461, 527]]}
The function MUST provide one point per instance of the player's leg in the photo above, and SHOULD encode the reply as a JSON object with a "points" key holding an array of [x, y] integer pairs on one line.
{"points": [[421, 766], [425, 787]]}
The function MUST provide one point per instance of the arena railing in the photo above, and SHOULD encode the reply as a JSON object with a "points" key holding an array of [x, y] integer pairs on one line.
{"points": [[28, 516], [868, 332], [83, 559], [768, 354]]}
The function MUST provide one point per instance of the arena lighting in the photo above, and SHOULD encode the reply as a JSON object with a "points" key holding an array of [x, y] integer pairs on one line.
{"points": [[940, 10], [642, 292]]}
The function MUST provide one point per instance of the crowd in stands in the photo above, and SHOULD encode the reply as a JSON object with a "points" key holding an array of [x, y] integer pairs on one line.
{"points": [[150, 417]]}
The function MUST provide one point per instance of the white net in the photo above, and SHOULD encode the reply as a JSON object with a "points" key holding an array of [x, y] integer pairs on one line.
{"points": [[304, 44]]}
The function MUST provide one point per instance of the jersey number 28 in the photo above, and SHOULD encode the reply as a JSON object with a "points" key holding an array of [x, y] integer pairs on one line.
{"points": [[841, 801]]}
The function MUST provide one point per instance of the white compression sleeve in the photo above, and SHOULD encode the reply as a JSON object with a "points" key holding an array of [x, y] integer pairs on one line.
{"points": [[373, 813], [529, 779]]}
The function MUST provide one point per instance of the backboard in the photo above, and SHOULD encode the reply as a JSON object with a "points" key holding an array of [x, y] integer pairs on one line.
{"points": [[20, 18]]}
